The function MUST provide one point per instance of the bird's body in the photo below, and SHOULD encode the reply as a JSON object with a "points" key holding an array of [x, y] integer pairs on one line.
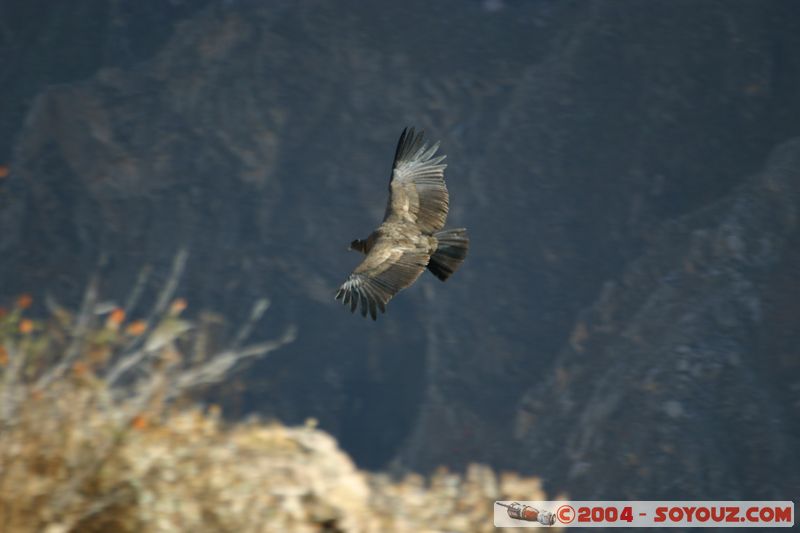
{"points": [[403, 235], [411, 238]]}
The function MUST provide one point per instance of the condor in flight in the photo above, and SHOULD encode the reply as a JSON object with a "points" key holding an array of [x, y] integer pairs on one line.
{"points": [[411, 238]]}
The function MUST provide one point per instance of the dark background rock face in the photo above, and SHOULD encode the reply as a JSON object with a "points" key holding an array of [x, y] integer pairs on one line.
{"points": [[626, 323]]}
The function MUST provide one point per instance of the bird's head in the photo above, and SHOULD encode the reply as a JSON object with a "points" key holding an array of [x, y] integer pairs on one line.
{"points": [[359, 246]]}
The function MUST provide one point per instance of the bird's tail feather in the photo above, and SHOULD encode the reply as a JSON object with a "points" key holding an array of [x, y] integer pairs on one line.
{"points": [[452, 250]]}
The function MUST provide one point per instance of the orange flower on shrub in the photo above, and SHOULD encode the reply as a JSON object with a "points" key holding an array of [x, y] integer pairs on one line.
{"points": [[136, 328], [80, 369], [24, 301], [178, 305], [3, 312], [26, 326], [3, 356], [116, 318], [4, 171], [139, 422]]}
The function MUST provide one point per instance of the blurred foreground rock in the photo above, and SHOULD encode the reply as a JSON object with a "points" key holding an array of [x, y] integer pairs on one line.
{"points": [[67, 466]]}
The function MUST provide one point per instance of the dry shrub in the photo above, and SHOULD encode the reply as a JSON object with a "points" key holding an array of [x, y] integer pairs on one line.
{"points": [[92, 440]]}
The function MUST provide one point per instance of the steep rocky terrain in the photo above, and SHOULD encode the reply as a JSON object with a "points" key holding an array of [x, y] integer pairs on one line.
{"points": [[670, 378], [628, 249]]}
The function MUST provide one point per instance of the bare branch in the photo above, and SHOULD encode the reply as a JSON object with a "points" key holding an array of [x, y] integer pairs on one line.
{"points": [[125, 364], [259, 308], [11, 391], [136, 293], [131, 357], [220, 365], [178, 266], [78, 337]]}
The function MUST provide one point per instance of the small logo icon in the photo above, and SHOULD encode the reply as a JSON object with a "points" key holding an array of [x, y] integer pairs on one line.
{"points": [[565, 514], [529, 514]]}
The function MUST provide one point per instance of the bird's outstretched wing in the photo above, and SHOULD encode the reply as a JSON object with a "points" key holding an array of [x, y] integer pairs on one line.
{"points": [[386, 270], [417, 192]]}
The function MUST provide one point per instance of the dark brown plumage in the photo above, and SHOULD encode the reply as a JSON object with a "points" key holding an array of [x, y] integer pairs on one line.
{"points": [[411, 238]]}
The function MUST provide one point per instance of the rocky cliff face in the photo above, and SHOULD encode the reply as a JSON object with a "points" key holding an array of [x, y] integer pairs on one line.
{"points": [[599, 154], [669, 384]]}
